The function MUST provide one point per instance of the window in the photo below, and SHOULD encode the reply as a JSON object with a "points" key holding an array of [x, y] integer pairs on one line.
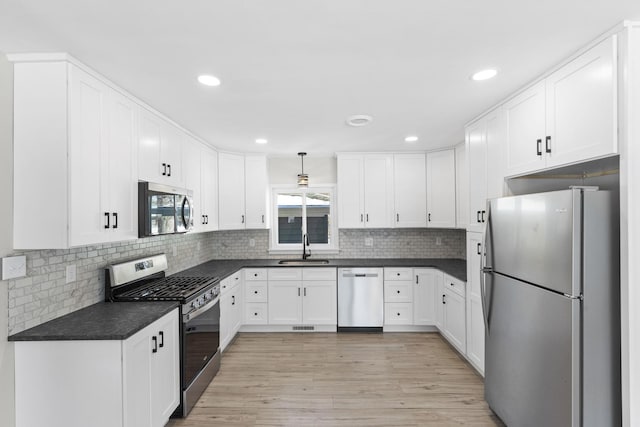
{"points": [[299, 212]]}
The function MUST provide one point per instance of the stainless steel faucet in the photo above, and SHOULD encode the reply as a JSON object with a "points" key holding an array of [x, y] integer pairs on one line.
{"points": [[305, 243]]}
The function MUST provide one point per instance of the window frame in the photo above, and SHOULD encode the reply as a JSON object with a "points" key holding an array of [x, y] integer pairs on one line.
{"points": [[315, 248]]}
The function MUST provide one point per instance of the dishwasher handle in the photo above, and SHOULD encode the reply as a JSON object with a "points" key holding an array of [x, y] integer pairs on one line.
{"points": [[359, 274]]}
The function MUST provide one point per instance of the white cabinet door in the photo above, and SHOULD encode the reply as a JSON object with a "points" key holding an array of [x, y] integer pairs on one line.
{"points": [[441, 189], [453, 321], [285, 302], [495, 147], [122, 166], [462, 186], [226, 320], [378, 197], [209, 189], [256, 188], [425, 288], [191, 165], [582, 107], [439, 301], [319, 302], [475, 319], [89, 214], [350, 172], [236, 305], [137, 380], [525, 115], [159, 150], [477, 159], [171, 153], [410, 190], [165, 369], [231, 209]]}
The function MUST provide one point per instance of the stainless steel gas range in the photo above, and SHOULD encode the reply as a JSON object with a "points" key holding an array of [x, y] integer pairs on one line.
{"points": [[144, 280]]}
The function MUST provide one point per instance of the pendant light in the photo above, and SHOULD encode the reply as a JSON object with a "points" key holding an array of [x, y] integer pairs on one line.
{"points": [[303, 178]]}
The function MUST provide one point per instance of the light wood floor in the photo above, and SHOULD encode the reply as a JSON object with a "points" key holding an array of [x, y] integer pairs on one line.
{"points": [[317, 379]]}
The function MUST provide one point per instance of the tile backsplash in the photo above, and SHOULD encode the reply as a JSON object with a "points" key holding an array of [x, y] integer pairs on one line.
{"points": [[44, 294]]}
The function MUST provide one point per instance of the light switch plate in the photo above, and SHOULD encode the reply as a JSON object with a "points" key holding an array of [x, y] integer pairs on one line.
{"points": [[14, 267]]}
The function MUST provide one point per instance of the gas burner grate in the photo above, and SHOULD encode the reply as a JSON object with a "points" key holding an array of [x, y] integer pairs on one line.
{"points": [[169, 288]]}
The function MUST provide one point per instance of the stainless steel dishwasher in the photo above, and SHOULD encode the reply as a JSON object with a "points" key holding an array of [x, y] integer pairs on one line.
{"points": [[360, 299]]}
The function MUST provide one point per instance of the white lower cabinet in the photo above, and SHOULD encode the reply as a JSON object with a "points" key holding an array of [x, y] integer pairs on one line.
{"points": [[107, 383], [475, 318], [410, 296], [454, 312], [255, 296], [425, 287], [231, 311], [299, 296]]}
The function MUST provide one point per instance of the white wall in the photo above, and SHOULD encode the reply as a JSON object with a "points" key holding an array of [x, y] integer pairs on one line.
{"points": [[285, 170], [7, 416]]}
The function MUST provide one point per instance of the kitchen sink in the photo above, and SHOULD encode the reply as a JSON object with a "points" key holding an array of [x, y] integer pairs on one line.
{"points": [[303, 261]]}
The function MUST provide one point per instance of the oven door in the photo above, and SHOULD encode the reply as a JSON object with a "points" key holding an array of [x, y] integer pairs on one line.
{"points": [[201, 339]]}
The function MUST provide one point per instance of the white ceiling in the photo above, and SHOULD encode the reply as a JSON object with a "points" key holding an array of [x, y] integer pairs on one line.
{"points": [[293, 70]]}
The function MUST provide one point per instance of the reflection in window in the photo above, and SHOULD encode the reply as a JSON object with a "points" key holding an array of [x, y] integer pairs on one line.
{"points": [[318, 210], [289, 218]]}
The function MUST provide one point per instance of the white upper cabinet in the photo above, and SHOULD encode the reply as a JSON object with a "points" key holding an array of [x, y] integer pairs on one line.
{"points": [[365, 190], [441, 189], [256, 189], [200, 166], [159, 150], [243, 186], [74, 153], [568, 117], [410, 190], [485, 145], [462, 186]]}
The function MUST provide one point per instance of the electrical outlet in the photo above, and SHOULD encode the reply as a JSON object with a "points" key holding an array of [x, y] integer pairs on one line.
{"points": [[252, 242], [71, 273], [368, 241], [14, 267], [438, 241], [175, 250]]}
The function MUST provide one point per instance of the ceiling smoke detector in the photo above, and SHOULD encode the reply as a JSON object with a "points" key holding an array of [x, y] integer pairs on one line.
{"points": [[359, 120]]}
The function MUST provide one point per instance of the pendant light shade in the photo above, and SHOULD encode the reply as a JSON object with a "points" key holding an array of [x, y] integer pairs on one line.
{"points": [[303, 178]]}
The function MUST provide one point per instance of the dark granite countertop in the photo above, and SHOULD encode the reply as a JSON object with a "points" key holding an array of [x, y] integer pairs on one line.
{"points": [[102, 321], [223, 268]]}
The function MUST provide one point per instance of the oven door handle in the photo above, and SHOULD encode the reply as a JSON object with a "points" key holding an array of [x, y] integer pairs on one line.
{"points": [[198, 311]]}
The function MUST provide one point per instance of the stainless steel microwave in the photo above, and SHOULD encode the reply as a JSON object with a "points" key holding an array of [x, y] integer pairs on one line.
{"points": [[163, 209]]}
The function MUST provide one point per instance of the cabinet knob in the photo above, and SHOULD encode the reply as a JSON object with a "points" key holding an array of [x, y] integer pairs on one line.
{"points": [[398, 314], [255, 314], [255, 292], [398, 291]]}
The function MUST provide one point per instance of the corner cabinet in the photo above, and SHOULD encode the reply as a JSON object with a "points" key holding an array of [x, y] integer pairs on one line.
{"points": [[243, 187], [75, 154], [365, 190], [104, 383], [441, 189], [568, 117]]}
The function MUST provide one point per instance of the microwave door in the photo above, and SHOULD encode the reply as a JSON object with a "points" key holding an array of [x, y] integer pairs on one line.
{"points": [[184, 214]]}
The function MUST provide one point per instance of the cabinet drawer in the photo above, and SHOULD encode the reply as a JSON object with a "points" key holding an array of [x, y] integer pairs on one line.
{"points": [[455, 285], [285, 274], [398, 273], [319, 274], [255, 274], [255, 291], [231, 281], [398, 291], [255, 313], [398, 313]]}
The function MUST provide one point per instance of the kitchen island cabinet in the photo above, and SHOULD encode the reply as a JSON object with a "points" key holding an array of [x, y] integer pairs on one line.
{"points": [[94, 368]]}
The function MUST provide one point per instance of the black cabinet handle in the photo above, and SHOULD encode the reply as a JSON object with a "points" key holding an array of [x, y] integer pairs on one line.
{"points": [[106, 214], [547, 144], [397, 217], [203, 219], [367, 215], [443, 301], [207, 218], [305, 291], [155, 344], [478, 216], [416, 279], [298, 291], [233, 300], [539, 147], [169, 166], [255, 292], [255, 314], [398, 291], [161, 333], [429, 217], [398, 314], [263, 219], [482, 215], [164, 170], [115, 220], [361, 218], [479, 249], [255, 274], [242, 219]]}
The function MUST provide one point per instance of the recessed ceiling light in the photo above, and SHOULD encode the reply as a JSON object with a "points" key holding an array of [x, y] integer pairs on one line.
{"points": [[261, 141], [209, 80], [411, 138], [487, 74], [359, 120]]}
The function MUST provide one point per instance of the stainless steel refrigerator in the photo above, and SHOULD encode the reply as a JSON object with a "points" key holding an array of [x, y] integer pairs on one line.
{"points": [[551, 294]]}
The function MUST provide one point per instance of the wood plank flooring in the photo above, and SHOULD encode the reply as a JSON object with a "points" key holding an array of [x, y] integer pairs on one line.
{"points": [[317, 379]]}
